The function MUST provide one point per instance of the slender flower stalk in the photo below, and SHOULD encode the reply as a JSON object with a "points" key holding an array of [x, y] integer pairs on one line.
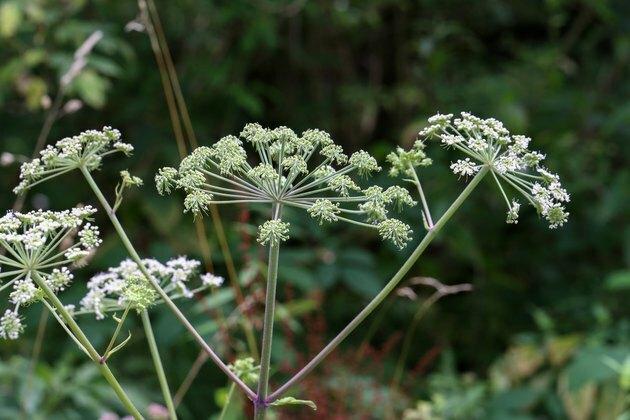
{"points": [[270, 304], [157, 362]]}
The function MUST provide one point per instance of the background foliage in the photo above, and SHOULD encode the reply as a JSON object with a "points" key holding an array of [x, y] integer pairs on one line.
{"points": [[548, 322]]}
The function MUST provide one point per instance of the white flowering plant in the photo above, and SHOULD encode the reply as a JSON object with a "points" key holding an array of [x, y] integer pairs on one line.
{"points": [[125, 285], [283, 171]]}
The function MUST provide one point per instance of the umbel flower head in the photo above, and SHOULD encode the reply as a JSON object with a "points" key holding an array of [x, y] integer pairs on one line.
{"points": [[125, 285], [31, 244], [307, 171], [486, 142], [87, 150]]}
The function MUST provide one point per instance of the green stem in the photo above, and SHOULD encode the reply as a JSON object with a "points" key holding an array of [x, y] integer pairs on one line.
{"points": [[112, 341], [167, 300], [422, 310], [85, 342], [228, 400], [270, 305], [389, 287], [425, 205], [157, 362]]}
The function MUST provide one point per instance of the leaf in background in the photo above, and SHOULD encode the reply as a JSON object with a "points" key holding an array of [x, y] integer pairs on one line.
{"points": [[10, 18], [619, 280], [91, 88], [589, 365], [34, 89]]}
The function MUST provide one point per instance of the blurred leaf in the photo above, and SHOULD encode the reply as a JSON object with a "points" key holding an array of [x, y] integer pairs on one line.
{"points": [[91, 88], [10, 18], [618, 280], [589, 366]]}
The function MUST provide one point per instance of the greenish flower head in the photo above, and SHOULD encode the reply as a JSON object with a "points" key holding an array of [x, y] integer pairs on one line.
{"points": [[128, 180], [273, 232], [31, 243], [486, 142], [246, 370], [307, 171], [403, 161], [85, 150], [137, 292]]}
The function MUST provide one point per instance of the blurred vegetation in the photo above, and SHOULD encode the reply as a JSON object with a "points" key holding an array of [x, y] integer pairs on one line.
{"points": [[545, 333]]}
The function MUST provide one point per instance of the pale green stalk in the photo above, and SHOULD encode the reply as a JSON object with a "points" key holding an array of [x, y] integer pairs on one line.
{"points": [[270, 305], [167, 300], [85, 342], [404, 351], [112, 341], [228, 401], [389, 287], [425, 205], [157, 362]]}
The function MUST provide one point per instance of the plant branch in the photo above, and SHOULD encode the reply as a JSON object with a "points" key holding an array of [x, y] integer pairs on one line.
{"points": [[389, 287], [167, 300], [157, 362], [270, 305], [85, 342]]}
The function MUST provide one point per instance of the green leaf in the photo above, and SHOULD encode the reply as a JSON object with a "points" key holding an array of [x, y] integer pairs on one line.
{"points": [[618, 280], [10, 19], [293, 401], [91, 88]]}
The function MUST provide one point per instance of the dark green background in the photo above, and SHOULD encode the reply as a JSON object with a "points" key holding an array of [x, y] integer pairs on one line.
{"points": [[370, 73]]}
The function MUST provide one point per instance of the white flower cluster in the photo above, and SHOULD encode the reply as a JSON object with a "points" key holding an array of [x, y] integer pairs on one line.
{"points": [[486, 142], [86, 149], [31, 242], [222, 174], [125, 285]]}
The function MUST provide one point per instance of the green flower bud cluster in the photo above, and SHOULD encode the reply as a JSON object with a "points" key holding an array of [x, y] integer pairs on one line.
{"points": [[307, 171]]}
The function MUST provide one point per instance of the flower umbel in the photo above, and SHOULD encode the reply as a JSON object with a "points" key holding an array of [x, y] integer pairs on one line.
{"points": [[125, 285], [486, 142], [86, 149], [308, 172], [31, 241]]}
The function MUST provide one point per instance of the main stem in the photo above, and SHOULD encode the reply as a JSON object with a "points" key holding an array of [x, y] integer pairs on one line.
{"points": [[389, 287], [157, 362], [169, 303], [85, 342], [270, 306]]}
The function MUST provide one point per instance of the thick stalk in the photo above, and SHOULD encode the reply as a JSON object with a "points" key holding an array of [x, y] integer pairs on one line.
{"points": [[270, 306], [157, 362], [85, 342], [169, 303], [389, 287]]}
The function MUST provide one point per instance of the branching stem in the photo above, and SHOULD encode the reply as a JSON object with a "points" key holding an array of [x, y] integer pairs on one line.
{"points": [[167, 300], [389, 287]]}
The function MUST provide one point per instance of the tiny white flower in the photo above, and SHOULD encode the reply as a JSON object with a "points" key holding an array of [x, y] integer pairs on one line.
{"points": [[210, 279], [464, 167]]}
